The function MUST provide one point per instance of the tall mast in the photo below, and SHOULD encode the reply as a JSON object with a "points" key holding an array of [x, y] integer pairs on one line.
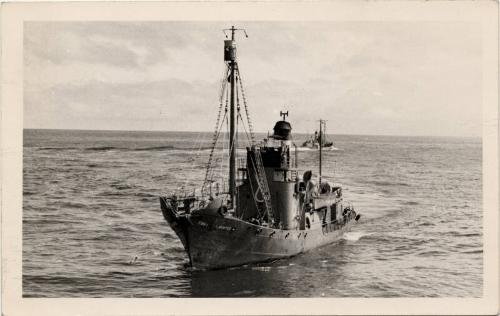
{"points": [[230, 57], [320, 147], [232, 133]]}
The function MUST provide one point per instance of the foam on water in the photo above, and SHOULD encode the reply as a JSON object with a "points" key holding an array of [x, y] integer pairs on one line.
{"points": [[315, 149], [355, 236]]}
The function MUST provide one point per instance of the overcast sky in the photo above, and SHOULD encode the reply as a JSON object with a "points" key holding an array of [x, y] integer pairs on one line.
{"points": [[386, 78]]}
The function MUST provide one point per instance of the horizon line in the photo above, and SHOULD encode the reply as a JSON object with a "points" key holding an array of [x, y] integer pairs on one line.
{"points": [[160, 131]]}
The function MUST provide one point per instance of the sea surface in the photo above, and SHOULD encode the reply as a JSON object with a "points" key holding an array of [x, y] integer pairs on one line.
{"points": [[92, 225]]}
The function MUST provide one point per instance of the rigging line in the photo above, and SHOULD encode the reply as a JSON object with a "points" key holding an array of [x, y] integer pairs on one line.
{"points": [[229, 135], [221, 95], [237, 113], [208, 169], [222, 155], [198, 144], [245, 129], [215, 172], [234, 137], [224, 159], [212, 168], [224, 82], [247, 112], [214, 140], [225, 154], [216, 133], [192, 152], [237, 95], [220, 161], [231, 146], [209, 164]]}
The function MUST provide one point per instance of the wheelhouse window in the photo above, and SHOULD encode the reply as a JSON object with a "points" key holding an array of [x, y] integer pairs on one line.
{"points": [[280, 175]]}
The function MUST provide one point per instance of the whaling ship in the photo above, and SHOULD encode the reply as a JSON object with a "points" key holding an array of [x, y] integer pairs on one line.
{"points": [[319, 139], [269, 210]]}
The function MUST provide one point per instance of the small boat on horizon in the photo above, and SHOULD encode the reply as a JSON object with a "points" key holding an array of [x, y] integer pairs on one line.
{"points": [[261, 208], [319, 139]]}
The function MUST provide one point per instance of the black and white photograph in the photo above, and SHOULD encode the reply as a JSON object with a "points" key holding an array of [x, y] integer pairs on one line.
{"points": [[246, 157]]}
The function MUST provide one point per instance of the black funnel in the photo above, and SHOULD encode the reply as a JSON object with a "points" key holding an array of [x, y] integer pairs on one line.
{"points": [[282, 130]]}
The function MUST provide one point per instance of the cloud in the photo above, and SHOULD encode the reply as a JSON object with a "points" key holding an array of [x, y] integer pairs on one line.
{"points": [[63, 46], [365, 77], [107, 105]]}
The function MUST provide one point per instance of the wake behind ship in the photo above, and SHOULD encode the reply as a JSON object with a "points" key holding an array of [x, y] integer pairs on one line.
{"points": [[265, 209]]}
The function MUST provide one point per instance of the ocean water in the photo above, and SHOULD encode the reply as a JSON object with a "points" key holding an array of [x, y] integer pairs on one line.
{"points": [[92, 225]]}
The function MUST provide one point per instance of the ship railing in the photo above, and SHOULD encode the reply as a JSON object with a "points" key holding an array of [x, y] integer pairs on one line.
{"points": [[346, 217], [187, 203], [214, 189]]}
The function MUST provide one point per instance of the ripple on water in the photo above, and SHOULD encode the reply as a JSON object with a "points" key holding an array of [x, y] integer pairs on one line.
{"points": [[90, 208]]}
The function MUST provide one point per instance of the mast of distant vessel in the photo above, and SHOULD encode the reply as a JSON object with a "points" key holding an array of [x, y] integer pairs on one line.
{"points": [[320, 147], [321, 143]]}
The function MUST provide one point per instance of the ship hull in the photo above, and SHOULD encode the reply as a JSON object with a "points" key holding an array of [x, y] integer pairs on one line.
{"points": [[213, 241]]}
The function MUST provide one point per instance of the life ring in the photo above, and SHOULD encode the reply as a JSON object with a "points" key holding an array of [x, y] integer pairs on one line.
{"points": [[255, 196], [222, 210]]}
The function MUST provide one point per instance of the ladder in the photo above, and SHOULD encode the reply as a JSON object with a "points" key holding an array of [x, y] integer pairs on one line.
{"points": [[262, 181]]}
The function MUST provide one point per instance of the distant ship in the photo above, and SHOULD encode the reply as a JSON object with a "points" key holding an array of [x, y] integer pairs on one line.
{"points": [[318, 139], [269, 210]]}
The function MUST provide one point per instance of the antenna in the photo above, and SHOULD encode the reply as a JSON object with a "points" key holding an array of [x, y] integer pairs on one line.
{"points": [[233, 30], [284, 114]]}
